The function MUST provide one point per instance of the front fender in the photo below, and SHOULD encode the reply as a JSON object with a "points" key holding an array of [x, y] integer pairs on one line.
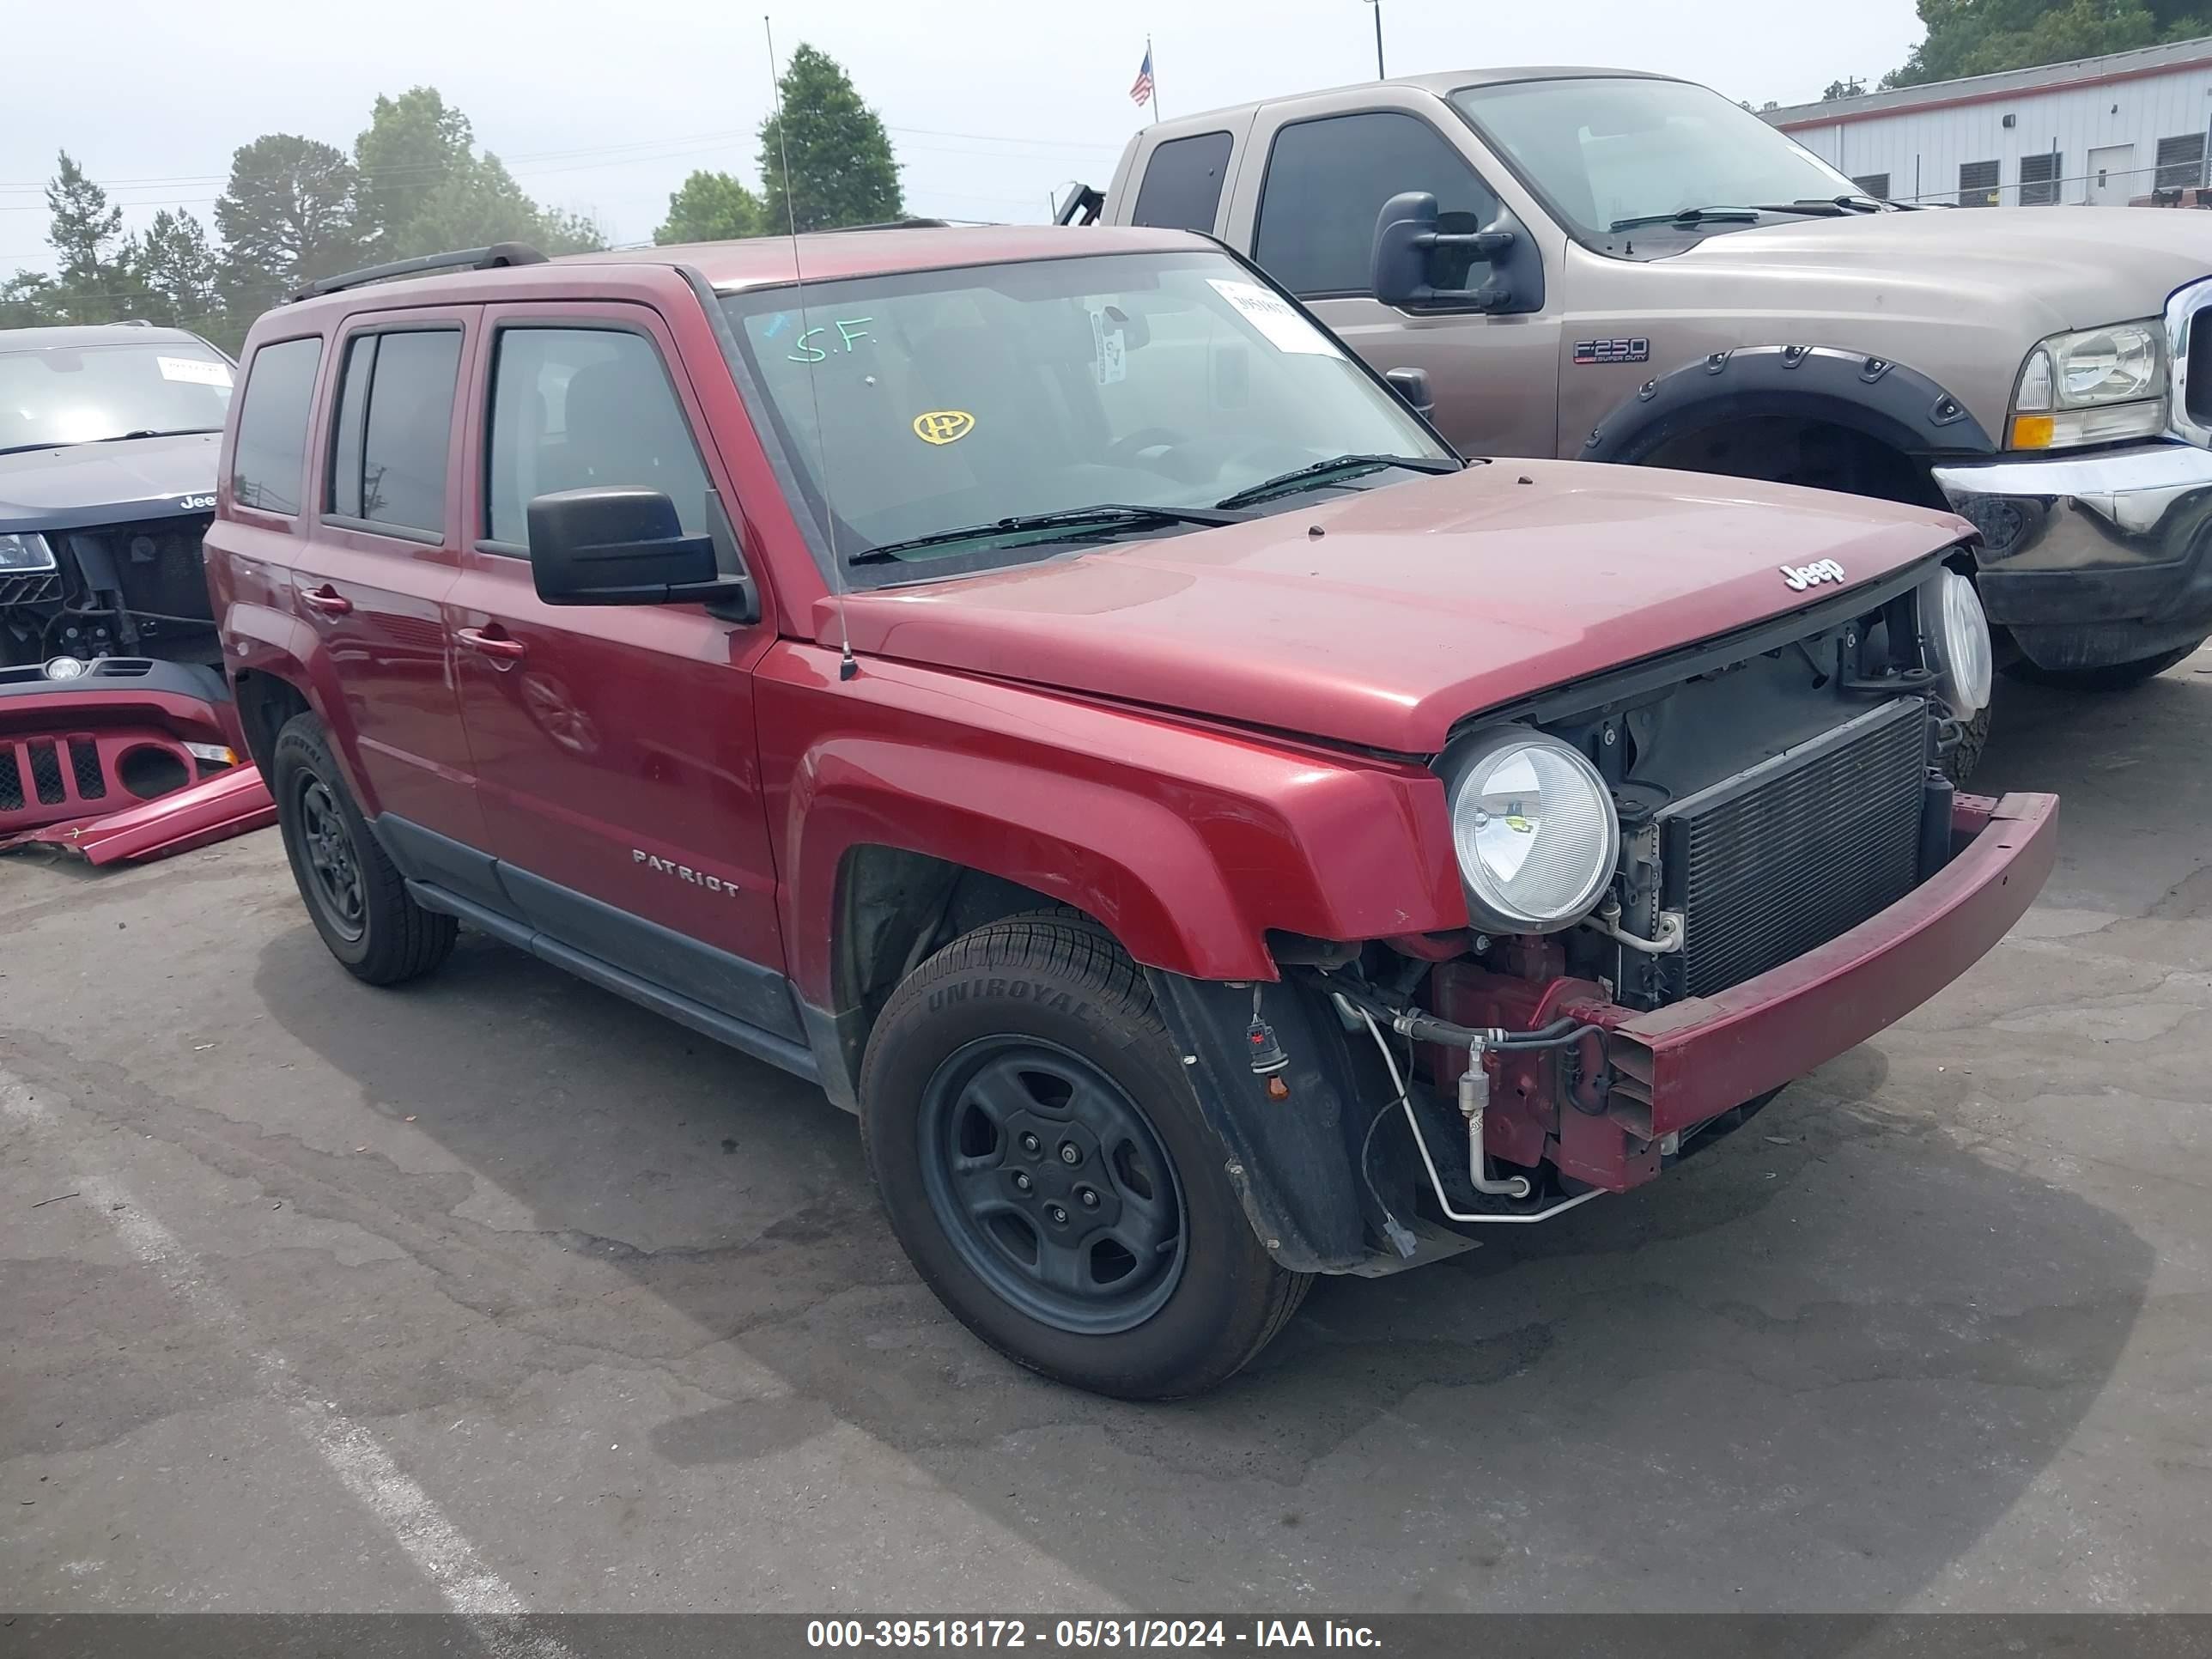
{"points": [[1189, 843], [1894, 405]]}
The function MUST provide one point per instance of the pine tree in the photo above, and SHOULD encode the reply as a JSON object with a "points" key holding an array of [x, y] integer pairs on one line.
{"points": [[838, 157]]}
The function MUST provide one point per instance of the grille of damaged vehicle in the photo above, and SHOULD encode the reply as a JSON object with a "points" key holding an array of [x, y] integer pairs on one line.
{"points": [[1788, 855]]}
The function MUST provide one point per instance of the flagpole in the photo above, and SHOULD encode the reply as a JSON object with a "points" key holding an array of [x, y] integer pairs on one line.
{"points": [[1155, 79]]}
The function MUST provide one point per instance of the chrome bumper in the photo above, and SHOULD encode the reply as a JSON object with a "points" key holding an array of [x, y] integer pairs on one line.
{"points": [[2092, 560]]}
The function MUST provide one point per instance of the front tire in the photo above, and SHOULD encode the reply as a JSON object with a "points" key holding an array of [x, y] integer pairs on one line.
{"points": [[1046, 1166], [355, 895], [2112, 676]]}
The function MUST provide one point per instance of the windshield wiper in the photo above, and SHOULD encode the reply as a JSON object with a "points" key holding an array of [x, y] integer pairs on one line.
{"points": [[1693, 216], [154, 432], [1107, 515], [1321, 471]]}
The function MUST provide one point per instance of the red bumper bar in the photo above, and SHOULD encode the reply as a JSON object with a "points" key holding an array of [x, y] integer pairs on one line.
{"points": [[1699, 1057]]}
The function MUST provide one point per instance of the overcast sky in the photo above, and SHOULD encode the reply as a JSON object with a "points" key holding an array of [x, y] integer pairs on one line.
{"points": [[603, 105]]}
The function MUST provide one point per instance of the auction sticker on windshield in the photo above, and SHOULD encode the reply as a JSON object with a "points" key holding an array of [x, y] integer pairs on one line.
{"points": [[1272, 316], [197, 370]]}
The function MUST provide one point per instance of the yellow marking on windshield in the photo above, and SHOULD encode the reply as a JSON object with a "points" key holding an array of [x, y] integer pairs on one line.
{"points": [[943, 426]]}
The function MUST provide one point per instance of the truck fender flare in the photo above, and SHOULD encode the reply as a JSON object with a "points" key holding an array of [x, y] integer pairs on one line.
{"points": [[261, 639], [1890, 402]]}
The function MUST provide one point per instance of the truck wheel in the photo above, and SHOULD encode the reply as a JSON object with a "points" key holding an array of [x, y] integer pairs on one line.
{"points": [[1044, 1161], [1959, 765], [2113, 677], [355, 895]]}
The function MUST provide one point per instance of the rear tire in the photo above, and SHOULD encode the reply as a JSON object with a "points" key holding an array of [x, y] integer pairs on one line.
{"points": [[355, 895], [2113, 677], [1046, 1166]]}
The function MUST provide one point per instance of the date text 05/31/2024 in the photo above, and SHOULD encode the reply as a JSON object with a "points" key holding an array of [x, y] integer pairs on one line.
{"points": [[1073, 1633]]}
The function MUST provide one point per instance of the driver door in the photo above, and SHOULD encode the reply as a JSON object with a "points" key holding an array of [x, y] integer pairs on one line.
{"points": [[1312, 228]]}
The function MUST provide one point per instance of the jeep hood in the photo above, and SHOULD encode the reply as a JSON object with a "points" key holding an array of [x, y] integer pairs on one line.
{"points": [[1414, 606], [72, 485], [2058, 268]]}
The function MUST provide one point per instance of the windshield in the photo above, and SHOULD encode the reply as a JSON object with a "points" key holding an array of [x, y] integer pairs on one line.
{"points": [[82, 394], [952, 399], [1601, 150]]}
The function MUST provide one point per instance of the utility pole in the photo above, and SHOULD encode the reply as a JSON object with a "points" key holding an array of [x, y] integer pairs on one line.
{"points": [[1381, 74]]}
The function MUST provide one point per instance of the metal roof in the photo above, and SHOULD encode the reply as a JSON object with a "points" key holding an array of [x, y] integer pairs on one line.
{"points": [[1442, 82], [63, 337], [2009, 83]]}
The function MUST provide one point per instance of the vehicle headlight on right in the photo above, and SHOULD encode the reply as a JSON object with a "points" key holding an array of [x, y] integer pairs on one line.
{"points": [[1957, 634], [25, 553], [2091, 387], [1534, 829]]}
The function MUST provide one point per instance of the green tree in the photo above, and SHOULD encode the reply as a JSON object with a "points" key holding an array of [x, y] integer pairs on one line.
{"points": [[480, 203], [1983, 37], [30, 299], [712, 207], [412, 146], [840, 170], [86, 236], [176, 269], [286, 218]]}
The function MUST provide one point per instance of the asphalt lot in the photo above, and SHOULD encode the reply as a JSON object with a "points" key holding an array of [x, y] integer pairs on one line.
{"points": [[497, 1292]]}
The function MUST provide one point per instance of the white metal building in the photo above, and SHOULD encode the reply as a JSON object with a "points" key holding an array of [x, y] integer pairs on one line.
{"points": [[2098, 129]]}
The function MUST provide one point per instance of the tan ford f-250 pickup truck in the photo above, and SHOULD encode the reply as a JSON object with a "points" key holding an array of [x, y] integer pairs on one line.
{"points": [[1612, 266]]}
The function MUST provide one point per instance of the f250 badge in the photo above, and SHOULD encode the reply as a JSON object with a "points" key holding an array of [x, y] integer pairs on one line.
{"points": [[1636, 350], [1802, 576]]}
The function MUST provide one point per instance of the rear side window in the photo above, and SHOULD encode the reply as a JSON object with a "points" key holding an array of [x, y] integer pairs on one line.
{"points": [[395, 416], [1326, 182], [1182, 183], [578, 408], [271, 449]]}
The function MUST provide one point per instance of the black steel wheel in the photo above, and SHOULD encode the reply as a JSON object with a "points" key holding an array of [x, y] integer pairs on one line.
{"points": [[1048, 1167], [355, 895], [1052, 1184]]}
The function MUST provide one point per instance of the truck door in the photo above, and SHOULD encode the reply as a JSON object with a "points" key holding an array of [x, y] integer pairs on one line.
{"points": [[1310, 224]]}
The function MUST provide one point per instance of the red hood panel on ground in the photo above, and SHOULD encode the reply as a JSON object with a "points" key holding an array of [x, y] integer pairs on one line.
{"points": [[1417, 604]]}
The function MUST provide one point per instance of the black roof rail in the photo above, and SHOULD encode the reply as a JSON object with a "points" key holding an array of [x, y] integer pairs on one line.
{"points": [[467, 259], [892, 224]]}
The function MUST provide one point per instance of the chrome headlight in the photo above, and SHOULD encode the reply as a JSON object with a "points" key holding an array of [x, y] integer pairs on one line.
{"points": [[1534, 829], [1958, 635], [25, 552], [2091, 387]]}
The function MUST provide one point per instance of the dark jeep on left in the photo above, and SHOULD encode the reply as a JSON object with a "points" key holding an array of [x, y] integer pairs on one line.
{"points": [[110, 680]]}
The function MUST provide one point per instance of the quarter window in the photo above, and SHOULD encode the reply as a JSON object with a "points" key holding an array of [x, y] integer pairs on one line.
{"points": [[394, 420], [271, 452], [1182, 183], [1326, 182], [576, 408]]}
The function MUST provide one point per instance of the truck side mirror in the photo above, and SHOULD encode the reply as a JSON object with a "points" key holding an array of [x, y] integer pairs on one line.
{"points": [[624, 544], [1413, 384], [1407, 241]]}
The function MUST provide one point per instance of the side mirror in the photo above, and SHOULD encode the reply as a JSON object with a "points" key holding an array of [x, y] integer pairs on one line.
{"points": [[1407, 241], [624, 544], [1413, 384]]}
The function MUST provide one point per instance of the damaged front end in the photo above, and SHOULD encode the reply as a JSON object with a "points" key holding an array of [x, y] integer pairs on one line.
{"points": [[1772, 867], [122, 758]]}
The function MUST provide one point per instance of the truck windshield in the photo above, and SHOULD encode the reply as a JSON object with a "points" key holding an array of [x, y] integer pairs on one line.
{"points": [[1604, 150], [936, 402], [86, 394]]}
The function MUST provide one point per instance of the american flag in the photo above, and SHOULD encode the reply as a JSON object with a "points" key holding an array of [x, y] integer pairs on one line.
{"points": [[1141, 92]]}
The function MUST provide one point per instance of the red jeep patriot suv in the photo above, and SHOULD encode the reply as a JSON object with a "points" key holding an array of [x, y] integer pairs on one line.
{"points": [[1038, 684]]}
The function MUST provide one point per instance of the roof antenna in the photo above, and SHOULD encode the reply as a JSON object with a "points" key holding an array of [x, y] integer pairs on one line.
{"points": [[847, 667]]}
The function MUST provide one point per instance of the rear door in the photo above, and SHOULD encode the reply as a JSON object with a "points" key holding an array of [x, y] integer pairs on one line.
{"points": [[383, 550], [613, 745], [1309, 223]]}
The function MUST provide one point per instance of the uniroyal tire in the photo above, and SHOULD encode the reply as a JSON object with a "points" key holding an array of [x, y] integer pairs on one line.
{"points": [[377, 932], [1052, 991]]}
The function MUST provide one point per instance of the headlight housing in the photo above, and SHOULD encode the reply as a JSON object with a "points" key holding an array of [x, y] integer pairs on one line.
{"points": [[24, 554], [1958, 635], [1534, 829], [2092, 386]]}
